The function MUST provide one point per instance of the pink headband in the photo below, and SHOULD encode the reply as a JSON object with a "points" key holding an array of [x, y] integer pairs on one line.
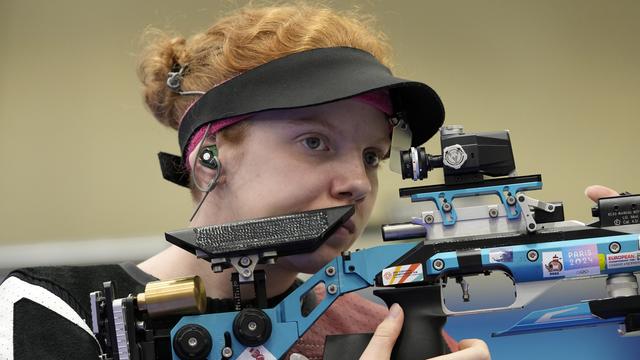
{"points": [[378, 99]]}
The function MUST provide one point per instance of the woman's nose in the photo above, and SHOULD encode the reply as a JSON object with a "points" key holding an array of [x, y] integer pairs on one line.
{"points": [[351, 181]]}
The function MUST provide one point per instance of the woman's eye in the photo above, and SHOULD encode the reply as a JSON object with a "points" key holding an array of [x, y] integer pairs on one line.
{"points": [[314, 143], [371, 158]]}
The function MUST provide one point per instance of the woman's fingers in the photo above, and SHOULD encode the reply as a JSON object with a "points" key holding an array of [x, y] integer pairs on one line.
{"points": [[595, 192], [385, 336], [470, 349]]}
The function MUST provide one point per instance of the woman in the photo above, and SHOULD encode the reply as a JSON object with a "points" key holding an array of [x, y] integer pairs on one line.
{"points": [[276, 162]]}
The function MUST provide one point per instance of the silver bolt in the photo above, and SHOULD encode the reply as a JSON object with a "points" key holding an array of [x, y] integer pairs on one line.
{"points": [[511, 200], [521, 198], [245, 261], [428, 219], [614, 247], [550, 207], [532, 255], [330, 271], [493, 212], [252, 326], [227, 352], [140, 325], [446, 207], [192, 342], [438, 264], [332, 289], [246, 273]]}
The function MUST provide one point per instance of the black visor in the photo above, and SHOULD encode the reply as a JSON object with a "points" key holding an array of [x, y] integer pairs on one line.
{"points": [[308, 78]]}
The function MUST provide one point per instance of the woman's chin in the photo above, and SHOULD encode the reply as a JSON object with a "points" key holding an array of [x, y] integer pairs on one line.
{"points": [[309, 263]]}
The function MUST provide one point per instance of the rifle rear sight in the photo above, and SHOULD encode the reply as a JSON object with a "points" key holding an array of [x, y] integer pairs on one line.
{"points": [[466, 158]]}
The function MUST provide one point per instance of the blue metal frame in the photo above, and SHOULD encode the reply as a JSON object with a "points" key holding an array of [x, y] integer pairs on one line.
{"points": [[286, 318], [451, 217]]}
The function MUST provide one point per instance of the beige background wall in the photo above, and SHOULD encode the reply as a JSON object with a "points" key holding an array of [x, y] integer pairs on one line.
{"points": [[78, 150]]}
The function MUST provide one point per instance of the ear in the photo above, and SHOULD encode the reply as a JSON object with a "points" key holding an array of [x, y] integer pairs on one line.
{"points": [[208, 157], [204, 163]]}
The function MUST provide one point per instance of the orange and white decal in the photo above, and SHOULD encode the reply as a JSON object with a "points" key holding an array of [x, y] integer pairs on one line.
{"points": [[402, 274]]}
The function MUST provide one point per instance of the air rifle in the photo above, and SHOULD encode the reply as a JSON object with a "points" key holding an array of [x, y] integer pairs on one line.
{"points": [[525, 238]]}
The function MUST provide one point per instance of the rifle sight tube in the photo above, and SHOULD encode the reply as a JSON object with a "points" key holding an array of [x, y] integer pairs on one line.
{"points": [[403, 231]]}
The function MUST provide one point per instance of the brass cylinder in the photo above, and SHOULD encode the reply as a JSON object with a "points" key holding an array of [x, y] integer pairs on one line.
{"points": [[181, 296]]}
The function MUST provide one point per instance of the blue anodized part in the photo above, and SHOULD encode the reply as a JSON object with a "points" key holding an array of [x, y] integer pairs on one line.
{"points": [[287, 321], [562, 317], [577, 258], [450, 217]]}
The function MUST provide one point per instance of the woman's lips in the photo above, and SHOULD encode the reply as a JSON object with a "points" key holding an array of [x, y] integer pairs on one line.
{"points": [[343, 236], [350, 226]]}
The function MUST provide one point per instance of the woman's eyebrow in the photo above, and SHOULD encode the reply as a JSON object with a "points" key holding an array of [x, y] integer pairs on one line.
{"points": [[311, 120]]}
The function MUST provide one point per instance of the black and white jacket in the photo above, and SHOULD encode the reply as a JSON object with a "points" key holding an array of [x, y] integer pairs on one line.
{"points": [[45, 311]]}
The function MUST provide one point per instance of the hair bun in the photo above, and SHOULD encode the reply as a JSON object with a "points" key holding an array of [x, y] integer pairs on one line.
{"points": [[161, 56]]}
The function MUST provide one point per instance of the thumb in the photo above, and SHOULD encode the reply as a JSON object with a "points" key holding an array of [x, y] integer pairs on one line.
{"points": [[385, 336], [595, 192]]}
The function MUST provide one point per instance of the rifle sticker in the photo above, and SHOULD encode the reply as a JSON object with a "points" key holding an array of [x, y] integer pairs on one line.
{"points": [[572, 261], [602, 260], [552, 263], [256, 353], [403, 274], [500, 255], [622, 260]]}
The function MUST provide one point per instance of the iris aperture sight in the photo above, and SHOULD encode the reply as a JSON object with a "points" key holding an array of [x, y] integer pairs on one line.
{"points": [[466, 158]]}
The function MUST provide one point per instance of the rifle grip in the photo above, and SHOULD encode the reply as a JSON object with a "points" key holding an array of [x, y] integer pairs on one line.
{"points": [[421, 336]]}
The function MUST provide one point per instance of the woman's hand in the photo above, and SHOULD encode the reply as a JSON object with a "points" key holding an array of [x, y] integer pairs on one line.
{"points": [[387, 332]]}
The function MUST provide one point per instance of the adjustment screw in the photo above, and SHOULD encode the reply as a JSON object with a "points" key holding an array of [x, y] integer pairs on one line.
{"points": [[245, 261], [252, 327], [332, 289], [521, 198], [446, 207], [511, 200], [330, 271], [192, 342], [438, 264], [532, 255], [493, 212], [532, 226], [227, 352], [614, 247], [246, 273], [428, 219]]}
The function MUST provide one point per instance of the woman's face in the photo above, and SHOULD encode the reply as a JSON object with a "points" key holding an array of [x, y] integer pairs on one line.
{"points": [[296, 160]]}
